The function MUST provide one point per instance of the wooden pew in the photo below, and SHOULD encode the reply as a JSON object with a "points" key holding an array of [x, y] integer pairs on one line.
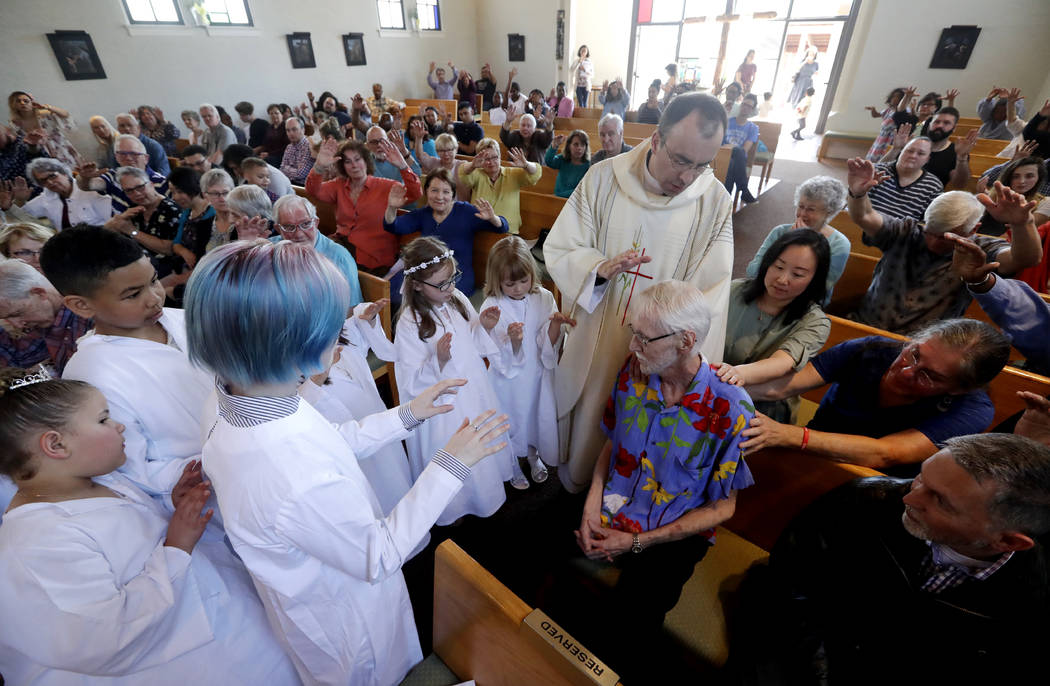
{"points": [[546, 183], [587, 113], [372, 289], [980, 163], [1002, 389], [538, 212], [480, 631], [325, 212], [181, 143], [970, 121], [768, 133], [853, 284], [983, 146], [443, 106], [720, 165], [843, 223]]}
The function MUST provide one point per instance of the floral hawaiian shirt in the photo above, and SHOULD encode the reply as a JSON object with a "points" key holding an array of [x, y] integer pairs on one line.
{"points": [[668, 460]]}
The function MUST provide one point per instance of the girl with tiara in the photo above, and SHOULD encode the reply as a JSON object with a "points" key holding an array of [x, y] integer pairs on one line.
{"points": [[99, 583], [440, 336], [528, 333], [296, 506]]}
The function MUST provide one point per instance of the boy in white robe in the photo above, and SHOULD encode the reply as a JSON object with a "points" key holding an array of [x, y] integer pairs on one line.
{"points": [[135, 355], [648, 215]]}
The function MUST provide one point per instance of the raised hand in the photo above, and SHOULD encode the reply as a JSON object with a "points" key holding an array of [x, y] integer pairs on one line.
{"points": [[1014, 94], [476, 439], [517, 158], [189, 521], [1026, 150], [255, 227], [900, 139], [396, 197], [393, 155], [444, 349], [513, 73], [90, 170], [1010, 208], [964, 146], [861, 176], [558, 140], [191, 476], [7, 195], [554, 328], [994, 92], [432, 65], [357, 103], [450, 65], [398, 139], [625, 261], [417, 129], [485, 211], [489, 317], [327, 152], [951, 94], [310, 97], [1035, 422], [21, 189], [374, 308], [34, 137], [423, 407], [969, 261]]}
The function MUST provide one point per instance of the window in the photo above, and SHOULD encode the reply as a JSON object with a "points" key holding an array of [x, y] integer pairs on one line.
{"points": [[391, 14], [228, 12], [152, 11], [429, 15]]}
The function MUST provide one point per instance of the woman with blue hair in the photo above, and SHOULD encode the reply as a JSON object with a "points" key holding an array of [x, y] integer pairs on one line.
{"points": [[296, 506]]}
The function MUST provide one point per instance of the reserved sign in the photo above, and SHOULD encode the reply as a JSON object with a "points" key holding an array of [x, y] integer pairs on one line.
{"points": [[582, 661]]}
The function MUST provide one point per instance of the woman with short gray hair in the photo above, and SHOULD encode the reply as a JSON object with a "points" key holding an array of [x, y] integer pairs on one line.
{"points": [[251, 212], [817, 200], [216, 186]]}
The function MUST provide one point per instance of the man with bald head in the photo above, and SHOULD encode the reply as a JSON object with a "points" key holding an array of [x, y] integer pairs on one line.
{"points": [[127, 123], [384, 168], [654, 213]]}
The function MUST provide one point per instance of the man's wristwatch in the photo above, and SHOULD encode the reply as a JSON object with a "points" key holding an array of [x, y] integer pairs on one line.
{"points": [[636, 546]]}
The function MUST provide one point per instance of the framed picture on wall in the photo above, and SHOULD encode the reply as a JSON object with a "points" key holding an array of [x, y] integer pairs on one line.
{"points": [[955, 47], [354, 47], [76, 55], [516, 46], [301, 50]]}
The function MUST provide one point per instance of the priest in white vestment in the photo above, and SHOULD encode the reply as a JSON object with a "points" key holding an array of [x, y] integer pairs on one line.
{"points": [[651, 214]]}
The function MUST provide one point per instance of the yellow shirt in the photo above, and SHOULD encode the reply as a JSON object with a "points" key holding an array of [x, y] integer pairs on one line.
{"points": [[503, 193]]}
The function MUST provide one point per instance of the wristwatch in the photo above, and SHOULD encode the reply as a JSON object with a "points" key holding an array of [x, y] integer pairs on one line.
{"points": [[636, 546]]}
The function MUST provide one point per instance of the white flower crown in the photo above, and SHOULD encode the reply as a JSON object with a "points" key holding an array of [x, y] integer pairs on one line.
{"points": [[423, 265]]}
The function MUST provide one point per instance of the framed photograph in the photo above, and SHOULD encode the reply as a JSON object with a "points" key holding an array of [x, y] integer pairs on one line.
{"points": [[354, 47], [955, 47], [516, 44], [301, 50], [76, 55]]}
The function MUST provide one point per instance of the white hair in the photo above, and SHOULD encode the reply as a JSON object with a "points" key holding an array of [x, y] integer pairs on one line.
{"points": [[674, 306], [139, 174], [213, 177], [614, 118], [251, 201], [17, 278], [287, 201], [126, 115], [375, 127], [527, 117], [128, 137], [209, 106], [955, 211]]}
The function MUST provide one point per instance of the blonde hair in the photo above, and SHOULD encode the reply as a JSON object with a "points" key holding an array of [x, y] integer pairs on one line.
{"points": [[34, 232], [109, 127], [446, 141], [485, 144], [510, 258]]}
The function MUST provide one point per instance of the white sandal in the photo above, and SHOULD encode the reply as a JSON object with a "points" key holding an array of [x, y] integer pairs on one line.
{"points": [[539, 470]]}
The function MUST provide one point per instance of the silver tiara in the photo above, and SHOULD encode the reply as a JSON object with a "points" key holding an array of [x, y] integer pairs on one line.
{"points": [[423, 265], [30, 379]]}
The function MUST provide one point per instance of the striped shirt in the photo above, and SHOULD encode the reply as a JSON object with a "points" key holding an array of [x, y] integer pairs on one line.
{"points": [[911, 201]]}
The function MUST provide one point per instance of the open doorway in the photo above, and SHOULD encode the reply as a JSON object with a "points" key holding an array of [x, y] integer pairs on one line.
{"points": [[806, 58]]}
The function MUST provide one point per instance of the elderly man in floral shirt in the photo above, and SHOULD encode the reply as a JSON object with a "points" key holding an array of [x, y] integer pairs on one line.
{"points": [[671, 466]]}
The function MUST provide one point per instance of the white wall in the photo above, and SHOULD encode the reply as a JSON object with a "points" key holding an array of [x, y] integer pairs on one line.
{"points": [[894, 41], [605, 27], [179, 68], [537, 21]]}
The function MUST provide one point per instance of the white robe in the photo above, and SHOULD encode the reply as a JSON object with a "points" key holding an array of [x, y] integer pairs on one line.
{"points": [[352, 395], [90, 594], [325, 560], [417, 369], [154, 391], [689, 237], [525, 386]]}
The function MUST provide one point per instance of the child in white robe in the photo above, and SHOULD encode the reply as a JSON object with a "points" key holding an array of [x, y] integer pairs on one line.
{"points": [[297, 509], [440, 336], [527, 334], [135, 354], [96, 584]]}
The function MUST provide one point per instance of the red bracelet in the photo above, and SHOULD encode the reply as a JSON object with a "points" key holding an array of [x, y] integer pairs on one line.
{"points": [[805, 437]]}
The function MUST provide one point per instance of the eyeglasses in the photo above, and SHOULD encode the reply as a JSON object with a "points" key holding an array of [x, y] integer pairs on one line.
{"points": [[646, 341], [296, 228], [216, 194], [135, 189], [125, 153], [352, 160], [445, 285], [679, 164], [25, 254], [48, 177], [923, 376]]}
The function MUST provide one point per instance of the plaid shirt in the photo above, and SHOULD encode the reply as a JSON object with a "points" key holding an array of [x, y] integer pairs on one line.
{"points": [[56, 343], [942, 574]]}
